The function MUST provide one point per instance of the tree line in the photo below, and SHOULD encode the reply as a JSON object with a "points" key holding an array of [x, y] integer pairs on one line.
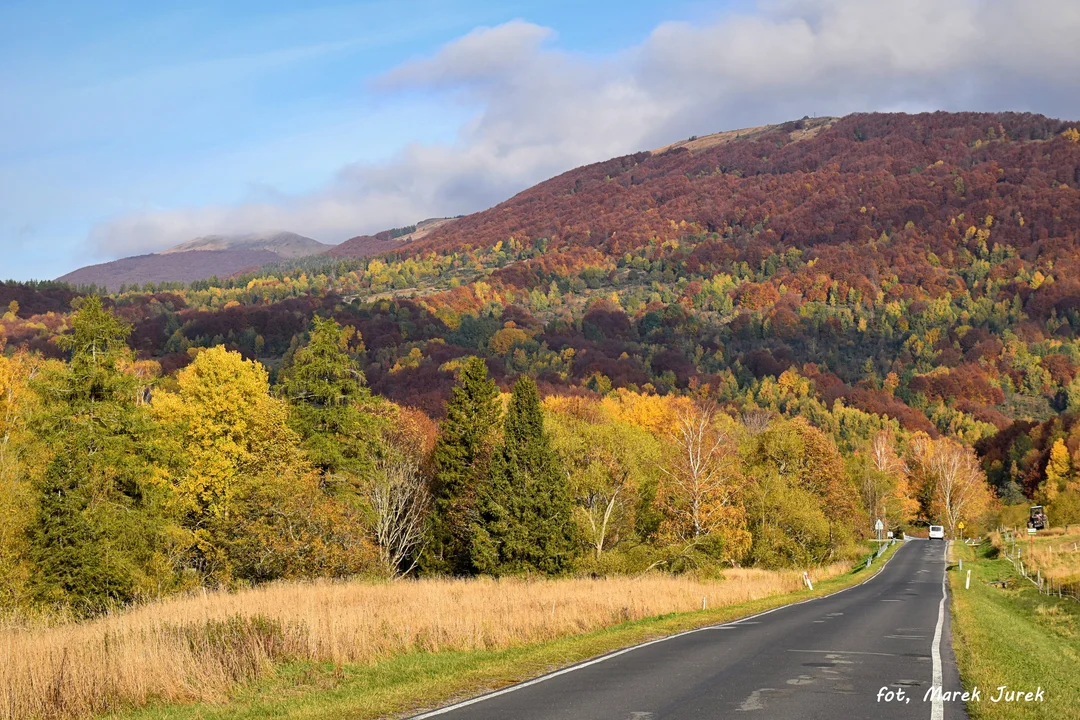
{"points": [[119, 485]]}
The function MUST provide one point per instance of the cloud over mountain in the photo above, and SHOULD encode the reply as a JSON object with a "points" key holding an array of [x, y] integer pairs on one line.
{"points": [[537, 109]]}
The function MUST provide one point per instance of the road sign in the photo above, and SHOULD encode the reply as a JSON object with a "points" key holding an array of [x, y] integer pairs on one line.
{"points": [[1031, 531], [960, 524], [878, 525]]}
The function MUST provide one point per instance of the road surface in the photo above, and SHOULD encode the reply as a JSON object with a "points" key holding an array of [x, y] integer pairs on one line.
{"points": [[829, 658]]}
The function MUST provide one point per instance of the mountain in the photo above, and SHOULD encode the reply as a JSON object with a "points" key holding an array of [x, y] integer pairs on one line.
{"points": [[801, 184], [285, 245], [363, 246], [198, 259], [912, 272]]}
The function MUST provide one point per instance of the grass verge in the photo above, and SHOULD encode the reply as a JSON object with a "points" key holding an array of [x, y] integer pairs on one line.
{"points": [[1013, 636], [417, 680]]}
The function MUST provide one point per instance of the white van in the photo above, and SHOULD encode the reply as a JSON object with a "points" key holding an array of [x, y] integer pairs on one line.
{"points": [[937, 532]]}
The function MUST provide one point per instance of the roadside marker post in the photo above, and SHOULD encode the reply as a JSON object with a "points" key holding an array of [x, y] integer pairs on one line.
{"points": [[806, 579], [967, 583]]}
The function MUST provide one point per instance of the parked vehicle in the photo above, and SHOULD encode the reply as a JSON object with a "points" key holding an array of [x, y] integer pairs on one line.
{"points": [[1037, 518], [937, 532]]}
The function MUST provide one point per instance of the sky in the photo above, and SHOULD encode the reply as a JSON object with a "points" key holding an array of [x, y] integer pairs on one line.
{"points": [[128, 127]]}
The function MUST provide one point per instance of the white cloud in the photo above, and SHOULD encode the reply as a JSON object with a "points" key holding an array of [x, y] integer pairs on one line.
{"points": [[540, 110]]}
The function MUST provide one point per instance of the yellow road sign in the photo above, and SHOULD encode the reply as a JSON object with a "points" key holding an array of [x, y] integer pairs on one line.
{"points": [[960, 524]]}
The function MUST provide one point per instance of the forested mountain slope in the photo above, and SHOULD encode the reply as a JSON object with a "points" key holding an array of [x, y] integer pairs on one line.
{"points": [[920, 268]]}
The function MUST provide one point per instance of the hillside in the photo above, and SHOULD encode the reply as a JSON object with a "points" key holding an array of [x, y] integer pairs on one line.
{"points": [[198, 259], [369, 245], [283, 244], [802, 184], [159, 268], [914, 271]]}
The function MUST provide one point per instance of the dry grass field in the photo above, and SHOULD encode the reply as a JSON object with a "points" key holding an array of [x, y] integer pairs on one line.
{"points": [[200, 647], [1054, 553]]}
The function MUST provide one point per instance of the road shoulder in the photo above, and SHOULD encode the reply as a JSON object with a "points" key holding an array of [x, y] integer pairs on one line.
{"points": [[1013, 637]]}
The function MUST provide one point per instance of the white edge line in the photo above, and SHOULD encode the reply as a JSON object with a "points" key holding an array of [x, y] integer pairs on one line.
{"points": [[609, 656], [937, 704]]}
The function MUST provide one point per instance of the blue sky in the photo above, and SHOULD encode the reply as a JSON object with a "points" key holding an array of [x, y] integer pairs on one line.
{"points": [[126, 127], [118, 107]]}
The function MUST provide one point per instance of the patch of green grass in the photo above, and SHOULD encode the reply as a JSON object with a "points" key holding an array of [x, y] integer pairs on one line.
{"points": [[1015, 637], [408, 683]]}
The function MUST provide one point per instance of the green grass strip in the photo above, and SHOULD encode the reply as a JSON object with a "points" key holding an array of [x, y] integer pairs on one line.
{"points": [[1013, 637]]}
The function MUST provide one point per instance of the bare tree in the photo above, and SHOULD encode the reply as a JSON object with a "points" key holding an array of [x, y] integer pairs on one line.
{"points": [[883, 453], [756, 421], [958, 483], [700, 481], [880, 474], [399, 501], [602, 504]]}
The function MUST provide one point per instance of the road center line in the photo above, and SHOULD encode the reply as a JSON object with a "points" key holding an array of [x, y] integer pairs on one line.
{"points": [[937, 704], [845, 652]]}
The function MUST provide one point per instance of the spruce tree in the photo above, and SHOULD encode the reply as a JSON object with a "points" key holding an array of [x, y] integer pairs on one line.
{"points": [[326, 392], [67, 552], [93, 541], [461, 459], [524, 511]]}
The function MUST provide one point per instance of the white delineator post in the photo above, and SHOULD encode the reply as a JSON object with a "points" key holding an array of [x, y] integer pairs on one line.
{"points": [[967, 583], [806, 579]]}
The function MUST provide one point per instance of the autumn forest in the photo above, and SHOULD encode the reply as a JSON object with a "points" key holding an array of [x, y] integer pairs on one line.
{"points": [[735, 351]]}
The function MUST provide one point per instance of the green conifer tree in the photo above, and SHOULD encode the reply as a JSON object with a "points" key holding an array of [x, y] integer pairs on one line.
{"points": [[93, 541], [524, 511], [461, 462], [330, 404]]}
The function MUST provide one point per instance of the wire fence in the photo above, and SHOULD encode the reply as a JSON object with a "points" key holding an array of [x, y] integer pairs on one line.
{"points": [[1027, 564]]}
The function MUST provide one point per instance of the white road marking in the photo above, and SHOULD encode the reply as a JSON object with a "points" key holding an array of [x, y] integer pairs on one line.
{"points": [[838, 653], [754, 702], [937, 705], [617, 653]]}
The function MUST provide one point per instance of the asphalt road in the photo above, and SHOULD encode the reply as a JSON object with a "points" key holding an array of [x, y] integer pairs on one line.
{"points": [[825, 658]]}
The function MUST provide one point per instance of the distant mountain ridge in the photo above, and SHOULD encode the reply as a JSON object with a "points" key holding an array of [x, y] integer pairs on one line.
{"points": [[198, 259], [287, 245], [222, 256]]}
